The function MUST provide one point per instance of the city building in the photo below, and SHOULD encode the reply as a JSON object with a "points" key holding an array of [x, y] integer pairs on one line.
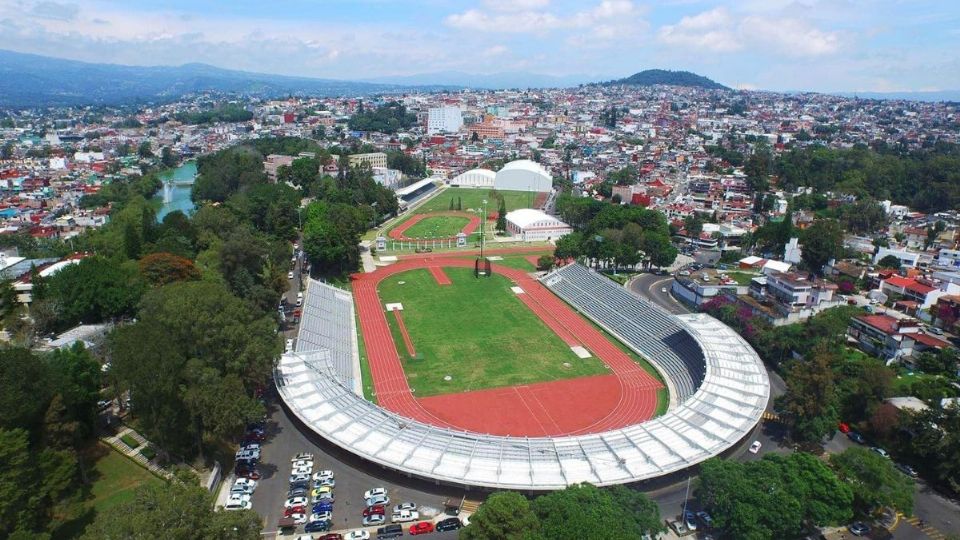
{"points": [[273, 163], [535, 225], [444, 119], [373, 159], [523, 175]]}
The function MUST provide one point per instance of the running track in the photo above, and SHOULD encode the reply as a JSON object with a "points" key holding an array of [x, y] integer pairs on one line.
{"points": [[397, 233], [573, 406]]}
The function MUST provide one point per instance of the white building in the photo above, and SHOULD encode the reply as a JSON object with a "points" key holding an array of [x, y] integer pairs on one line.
{"points": [[534, 225], [523, 175], [444, 120], [478, 178]]}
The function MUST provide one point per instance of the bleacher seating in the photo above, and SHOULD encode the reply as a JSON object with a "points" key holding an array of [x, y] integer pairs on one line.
{"points": [[642, 325], [327, 324]]}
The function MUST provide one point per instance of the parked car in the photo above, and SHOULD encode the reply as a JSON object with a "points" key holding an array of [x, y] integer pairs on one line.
{"points": [[252, 484], [320, 475], [287, 512], [295, 501], [934, 330], [390, 531], [858, 528], [373, 519], [844, 428], [880, 451], [449, 524], [321, 516], [289, 275], [301, 485], [422, 527], [318, 526], [326, 496], [323, 506], [856, 437], [240, 496], [299, 478], [405, 516], [237, 504], [378, 500], [251, 474], [371, 510], [357, 535], [405, 506], [298, 519], [298, 492], [331, 536], [374, 492], [326, 481], [705, 519], [755, 447], [907, 470], [690, 520], [322, 489]]}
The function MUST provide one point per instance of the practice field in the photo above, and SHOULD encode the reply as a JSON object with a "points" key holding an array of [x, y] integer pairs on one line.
{"points": [[473, 199], [437, 227], [476, 331]]}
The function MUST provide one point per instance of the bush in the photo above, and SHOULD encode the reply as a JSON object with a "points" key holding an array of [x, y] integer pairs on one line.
{"points": [[130, 441], [148, 452]]}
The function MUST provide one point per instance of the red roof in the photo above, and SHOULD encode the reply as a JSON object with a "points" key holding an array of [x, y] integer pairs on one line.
{"points": [[928, 340], [910, 284], [884, 323]]}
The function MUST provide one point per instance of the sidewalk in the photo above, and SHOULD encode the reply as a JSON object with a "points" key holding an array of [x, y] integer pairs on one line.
{"points": [[134, 453]]}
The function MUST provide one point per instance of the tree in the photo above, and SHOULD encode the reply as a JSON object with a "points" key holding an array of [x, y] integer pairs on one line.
{"points": [[163, 268], [889, 261], [25, 389], [775, 497], [504, 515], [569, 246], [822, 241], [545, 262], [168, 158], [183, 511], [659, 249], [144, 150], [561, 513], [875, 481], [693, 225], [810, 402], [95, 290], [502, 216]]}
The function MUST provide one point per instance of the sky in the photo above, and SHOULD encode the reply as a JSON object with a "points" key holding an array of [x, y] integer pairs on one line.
{"points": [[828, 46]]}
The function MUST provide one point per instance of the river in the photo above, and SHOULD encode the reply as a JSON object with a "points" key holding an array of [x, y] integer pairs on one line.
{"points": [[177, 197]]}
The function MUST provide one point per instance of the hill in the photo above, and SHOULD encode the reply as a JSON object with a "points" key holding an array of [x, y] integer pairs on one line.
{"points": [[29, 80], [651, 77]]}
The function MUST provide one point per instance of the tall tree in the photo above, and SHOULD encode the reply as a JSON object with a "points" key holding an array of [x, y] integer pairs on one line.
{"points": [[874, 479], [821, 241], [505, 515], [810, 404]]}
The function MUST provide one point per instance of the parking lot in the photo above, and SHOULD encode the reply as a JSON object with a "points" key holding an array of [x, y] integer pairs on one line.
{"points": [[353, 477]]}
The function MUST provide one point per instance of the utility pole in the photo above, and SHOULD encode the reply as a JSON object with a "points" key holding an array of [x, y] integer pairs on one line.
{"points": [[483, 222]]}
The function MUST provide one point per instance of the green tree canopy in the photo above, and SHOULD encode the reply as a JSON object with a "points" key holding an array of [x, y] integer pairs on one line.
{"points": [[874, 480], [505, 515]]}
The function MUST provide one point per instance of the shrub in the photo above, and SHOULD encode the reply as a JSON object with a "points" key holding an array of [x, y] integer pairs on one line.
{"points": [[130, 441], [148, 452]]}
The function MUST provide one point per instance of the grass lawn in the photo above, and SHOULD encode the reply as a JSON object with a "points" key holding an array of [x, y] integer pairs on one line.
{"points": [[741, 278], [114, 480], [476, 331], [437, 227], [520, 262], [365, 374], [473, 198]]}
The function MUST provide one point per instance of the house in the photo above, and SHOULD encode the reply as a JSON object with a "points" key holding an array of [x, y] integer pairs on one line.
{"points": [[923, 291], [891, 338], [787, 297]]}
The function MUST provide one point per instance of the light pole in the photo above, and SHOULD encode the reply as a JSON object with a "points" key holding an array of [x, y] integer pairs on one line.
{"points": [[483, 222]]}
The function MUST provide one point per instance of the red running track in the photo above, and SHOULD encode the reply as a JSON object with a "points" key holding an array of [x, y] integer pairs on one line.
{"points": [[440, 276], [602, 403], [403, 332], [397, 233]]}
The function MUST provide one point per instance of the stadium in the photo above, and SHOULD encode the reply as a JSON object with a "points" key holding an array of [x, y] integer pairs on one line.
{"points": [[516, 382]]}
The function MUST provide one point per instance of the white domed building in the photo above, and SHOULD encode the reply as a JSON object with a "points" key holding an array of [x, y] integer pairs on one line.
{"points": [[475, 178], [523, 175]]}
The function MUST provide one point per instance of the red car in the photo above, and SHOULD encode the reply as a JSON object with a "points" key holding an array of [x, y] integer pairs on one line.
{"points": [[331, 536], [294, 510], [844, 428], [374, 510], [423, 527]]}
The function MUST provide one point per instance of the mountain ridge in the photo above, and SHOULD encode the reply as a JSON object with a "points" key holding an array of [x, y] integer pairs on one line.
{"points": [[650, 77]]}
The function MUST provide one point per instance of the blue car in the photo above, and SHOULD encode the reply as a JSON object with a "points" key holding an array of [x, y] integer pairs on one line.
{"points": [[322, 506], [321, 525]]}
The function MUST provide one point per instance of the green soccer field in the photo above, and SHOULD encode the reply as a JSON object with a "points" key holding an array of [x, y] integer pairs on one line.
{"points": [[473, 199], [437, 227], [477, 332]]}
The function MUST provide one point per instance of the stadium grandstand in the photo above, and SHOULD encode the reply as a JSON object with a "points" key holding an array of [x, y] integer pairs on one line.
{"points": [[721, 398]]}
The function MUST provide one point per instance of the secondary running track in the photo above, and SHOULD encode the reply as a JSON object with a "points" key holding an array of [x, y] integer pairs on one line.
{"points": [[566, 407], [398, 232]]}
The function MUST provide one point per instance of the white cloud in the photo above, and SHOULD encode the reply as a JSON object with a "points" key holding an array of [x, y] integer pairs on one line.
{"points": [[515, 5], [531, 20], [496, 50], [720, 31]]}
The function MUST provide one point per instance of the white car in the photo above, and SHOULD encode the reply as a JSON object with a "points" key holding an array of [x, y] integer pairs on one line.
{"points": [[755, 447], [321, 516], [245, 497], [296, 478], [378, 500], [373, 519], [404, 506], [405, 516], [237, 504], [302, 463], [298, 518], [374, 492], [327, 481], [880, 451], [302, 456], [305, 471], [289, 275], [357, 535], [295, 501], [320, 475], [241, 489]]}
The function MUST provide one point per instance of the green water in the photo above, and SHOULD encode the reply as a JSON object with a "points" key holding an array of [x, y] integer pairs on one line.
{"points": [[177, 197]]}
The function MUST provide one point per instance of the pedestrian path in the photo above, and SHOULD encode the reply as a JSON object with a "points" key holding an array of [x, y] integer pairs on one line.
{"points": [[931, 532], [134, 453]]}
